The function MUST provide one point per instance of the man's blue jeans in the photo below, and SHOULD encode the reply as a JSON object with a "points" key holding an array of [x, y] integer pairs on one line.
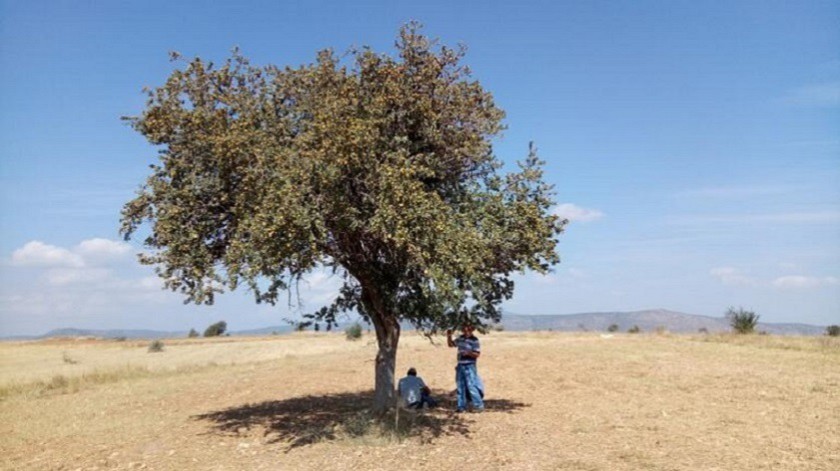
{"points": [[466, 378]]}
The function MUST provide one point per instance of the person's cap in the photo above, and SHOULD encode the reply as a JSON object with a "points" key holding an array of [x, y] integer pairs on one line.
{"points": [[412, 372]]}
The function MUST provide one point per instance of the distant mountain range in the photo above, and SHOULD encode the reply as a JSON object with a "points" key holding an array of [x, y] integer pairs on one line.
{"points": [[647, 321]]}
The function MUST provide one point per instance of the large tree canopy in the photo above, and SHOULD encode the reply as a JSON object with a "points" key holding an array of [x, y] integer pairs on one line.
{"points": [[379, 168]]}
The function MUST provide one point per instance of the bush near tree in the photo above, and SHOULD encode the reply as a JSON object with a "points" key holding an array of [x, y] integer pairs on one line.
{"points": [[377, 167], [612, 328], [634, 330], [833, 330], [353, 331], [192, 334], [741, 320]]}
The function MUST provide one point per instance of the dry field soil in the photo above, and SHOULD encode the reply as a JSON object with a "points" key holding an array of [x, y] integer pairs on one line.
{"points": [[555, 401]]}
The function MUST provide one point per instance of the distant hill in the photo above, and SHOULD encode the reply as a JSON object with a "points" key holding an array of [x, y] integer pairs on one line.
{"points": [[156, 334], [284, 329], [647, 320], [113, 333]]}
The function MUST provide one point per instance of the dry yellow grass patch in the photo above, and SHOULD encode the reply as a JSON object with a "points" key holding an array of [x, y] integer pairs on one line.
{"points": [[555, 401]]}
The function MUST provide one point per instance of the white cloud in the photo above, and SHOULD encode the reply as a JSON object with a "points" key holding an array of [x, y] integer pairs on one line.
{"points": [[803, 282], [576, 213], [94, 251], [66, 276], [83, 264], [102, 249], [151, 282], [820, 95], [732, 277], [39, 254]]}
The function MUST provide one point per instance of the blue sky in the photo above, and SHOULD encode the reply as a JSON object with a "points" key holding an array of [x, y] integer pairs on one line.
{"points": [[694, 145]]}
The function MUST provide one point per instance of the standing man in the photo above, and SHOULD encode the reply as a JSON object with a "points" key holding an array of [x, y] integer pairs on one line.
{"points": [[466, 374]]}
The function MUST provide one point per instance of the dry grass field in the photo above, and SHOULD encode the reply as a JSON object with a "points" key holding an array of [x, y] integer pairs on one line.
{"points": [[555, 401]]}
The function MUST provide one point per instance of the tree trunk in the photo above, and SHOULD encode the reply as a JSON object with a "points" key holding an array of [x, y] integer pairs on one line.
{"points": [[387, 336]]}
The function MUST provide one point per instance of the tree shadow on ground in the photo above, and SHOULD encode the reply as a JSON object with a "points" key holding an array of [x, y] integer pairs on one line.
{"points": [[305, 420]]}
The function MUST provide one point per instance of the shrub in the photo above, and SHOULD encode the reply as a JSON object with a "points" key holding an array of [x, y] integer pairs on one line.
{"points": [[353, 332], [215, 330], [612, 328], [634, 330], [833, 331], [741, 320], [192, 334], [156, 346], [703, 330], [121, 338], [67, 359], [58, 382]]}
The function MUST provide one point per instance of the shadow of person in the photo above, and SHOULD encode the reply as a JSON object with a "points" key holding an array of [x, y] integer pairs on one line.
{"points": [[304, 420]]}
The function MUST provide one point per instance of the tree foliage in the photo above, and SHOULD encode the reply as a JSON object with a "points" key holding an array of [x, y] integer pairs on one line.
{"points": [[833, 330], [379, 169], [741, 320]]}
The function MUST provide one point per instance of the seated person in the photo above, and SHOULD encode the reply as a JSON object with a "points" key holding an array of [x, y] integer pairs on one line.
{"points": [[413, 391]]}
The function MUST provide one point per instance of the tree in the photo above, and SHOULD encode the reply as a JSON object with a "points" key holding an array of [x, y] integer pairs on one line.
{"points": [[741, 320], [376, 168], [215, 330], [833, 330], [612, 328], [192, 334]]}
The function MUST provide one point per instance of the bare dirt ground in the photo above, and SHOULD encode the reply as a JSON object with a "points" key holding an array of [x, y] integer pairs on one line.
{"points": [[555, 402]]}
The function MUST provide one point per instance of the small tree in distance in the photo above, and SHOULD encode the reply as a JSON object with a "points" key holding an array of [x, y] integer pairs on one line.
{"points": [[833, 330], [192, 334], [741, 320], [215, 330], [612, 328], [353, 331]]}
